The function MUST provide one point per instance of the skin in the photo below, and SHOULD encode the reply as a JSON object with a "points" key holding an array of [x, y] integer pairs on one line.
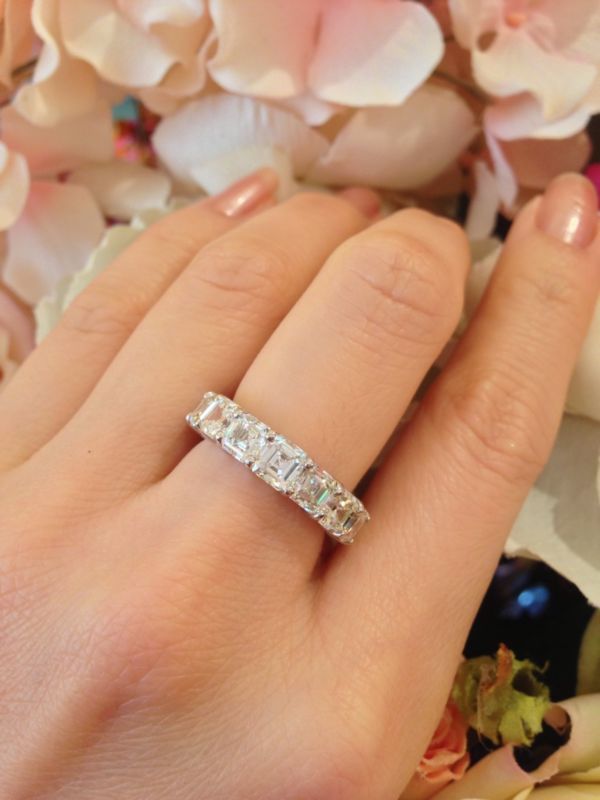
{"points": [[170, 626]]}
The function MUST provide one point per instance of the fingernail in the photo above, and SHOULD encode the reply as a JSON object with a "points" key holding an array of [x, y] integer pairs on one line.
{"points": [[365, 200], [248, 194], [569, 210]]}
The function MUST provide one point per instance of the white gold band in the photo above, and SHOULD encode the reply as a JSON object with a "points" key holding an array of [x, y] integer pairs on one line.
{"points": [[281, 464]]}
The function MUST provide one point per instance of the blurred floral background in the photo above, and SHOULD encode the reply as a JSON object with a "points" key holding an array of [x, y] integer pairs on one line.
{"points": [[113, 112]]}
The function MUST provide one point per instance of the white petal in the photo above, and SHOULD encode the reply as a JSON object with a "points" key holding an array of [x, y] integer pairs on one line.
{"points": [[485, 203], [471, 18], [122, 53], [219, 125], [62, 86], [265, 46], [514, 63], [584, 392], [145, 13], [373, 52], [506, 180], [53, 237], [62, 147], [52, 306], [216, 175], [313, 110], [399, 148], [14, 186], [484, 255], [122, 189], [560, 522]]}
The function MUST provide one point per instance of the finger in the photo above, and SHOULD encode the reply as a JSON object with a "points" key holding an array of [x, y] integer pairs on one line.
{"points": [[447, 496], [69, 362], [203, 334], [339, 371]]}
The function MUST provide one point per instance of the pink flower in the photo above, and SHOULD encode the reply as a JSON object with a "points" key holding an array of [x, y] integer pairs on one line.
{"points": [[446, 759], [153, 49], [549, 49], [351, 52]]}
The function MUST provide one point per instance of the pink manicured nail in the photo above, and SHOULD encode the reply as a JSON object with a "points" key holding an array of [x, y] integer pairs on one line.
{"points": [[248, 194], [365, 200], [569, 210]]}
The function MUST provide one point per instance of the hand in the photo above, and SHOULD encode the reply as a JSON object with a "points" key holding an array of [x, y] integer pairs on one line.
{"points": [[170, 626]]}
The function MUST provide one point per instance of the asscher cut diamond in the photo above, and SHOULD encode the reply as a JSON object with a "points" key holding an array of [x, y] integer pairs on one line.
{"points": [[313, 490], [245, 439], [280, 464], [210, 417]]}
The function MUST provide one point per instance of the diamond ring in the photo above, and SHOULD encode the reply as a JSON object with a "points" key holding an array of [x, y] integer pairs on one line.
{"points": [[281, 464]]}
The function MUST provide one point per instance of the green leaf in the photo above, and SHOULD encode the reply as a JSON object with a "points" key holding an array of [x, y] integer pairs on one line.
{"points": [[502, 698], [588, 672]]}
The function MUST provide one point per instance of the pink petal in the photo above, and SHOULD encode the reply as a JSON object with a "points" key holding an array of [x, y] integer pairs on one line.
{"points": [[14, 186], [121, 189], [265, 46], [61, 86], [514, 63], [121, 53], [53, 237], [145, 13], [374, 52], [51, 150], [399, 148], [506, 180], [576, 25], [219, 125]]}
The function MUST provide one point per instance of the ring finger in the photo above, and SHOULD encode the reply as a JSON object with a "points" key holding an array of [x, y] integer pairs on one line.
{"points": [[340, 370]]}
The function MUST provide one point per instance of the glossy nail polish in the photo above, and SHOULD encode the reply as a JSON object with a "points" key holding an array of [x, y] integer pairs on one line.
{"points": [[569, 210], [248, 194]]}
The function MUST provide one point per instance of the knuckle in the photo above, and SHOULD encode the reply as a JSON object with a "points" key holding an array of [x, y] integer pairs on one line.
{"points": [[242, 276], [400, 291], [100, 312], [501, 425], [555, 289]]}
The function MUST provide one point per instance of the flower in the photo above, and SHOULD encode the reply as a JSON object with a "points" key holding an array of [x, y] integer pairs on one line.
{"points": [[351, 52], [16, 37], [445, 760], [548, 49], [16, 335], [155, 50], [570, 771]]}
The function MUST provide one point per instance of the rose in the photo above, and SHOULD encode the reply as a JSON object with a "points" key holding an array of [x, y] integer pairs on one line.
{"points": [[446, 758], [572, 770]]}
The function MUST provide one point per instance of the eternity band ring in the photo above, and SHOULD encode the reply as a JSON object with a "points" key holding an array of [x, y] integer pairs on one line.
{"points": [[281, 464]]}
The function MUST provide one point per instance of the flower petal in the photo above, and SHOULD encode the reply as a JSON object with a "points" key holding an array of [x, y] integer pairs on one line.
{"points": [[560, 520], [14, 186], [373, 52], [522, 117], [218, 125], [485, 203], [471, 18], [123, 189], [61, 86], [515, 63], [121, 53], [62, 147], [219, 173], [145, 13], [53, 237], [264, 45], [399, 148], [584, 392]]}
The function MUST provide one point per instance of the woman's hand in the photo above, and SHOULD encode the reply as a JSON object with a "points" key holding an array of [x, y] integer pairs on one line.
{"points": [[170, 627]]}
